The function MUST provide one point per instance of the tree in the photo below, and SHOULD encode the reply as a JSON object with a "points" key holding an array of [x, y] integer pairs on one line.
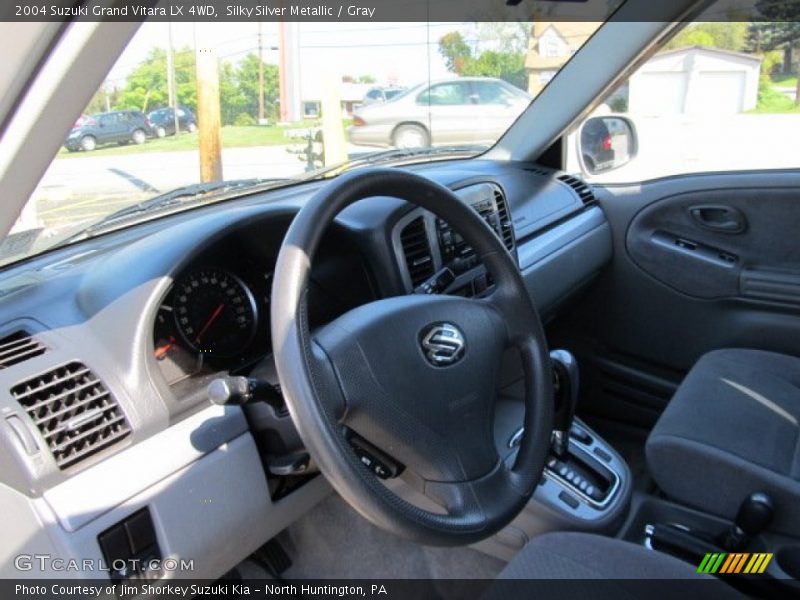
{"points": [[366, 79], [502, 64], [783, 32], [246, 79], [456, 52], [723, 34], [146, 86]]}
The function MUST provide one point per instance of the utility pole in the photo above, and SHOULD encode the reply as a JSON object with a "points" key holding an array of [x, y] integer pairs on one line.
{"points": [[171, 88], [260, 76], [208, 114]]}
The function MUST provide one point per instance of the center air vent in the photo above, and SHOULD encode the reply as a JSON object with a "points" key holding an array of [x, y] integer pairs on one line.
{"points": [[74, 412], [581, 188], [19, 347], [417, 251], [504, 217]]}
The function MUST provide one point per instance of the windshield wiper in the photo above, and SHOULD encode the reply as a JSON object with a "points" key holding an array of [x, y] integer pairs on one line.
{"points": [[179, 196]]}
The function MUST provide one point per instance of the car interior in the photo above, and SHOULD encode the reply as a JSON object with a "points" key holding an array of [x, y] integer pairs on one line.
{"points": [[460, 368]]}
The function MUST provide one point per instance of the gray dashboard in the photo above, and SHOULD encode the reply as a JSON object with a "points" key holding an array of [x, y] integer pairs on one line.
{"points": [[93, 307]]}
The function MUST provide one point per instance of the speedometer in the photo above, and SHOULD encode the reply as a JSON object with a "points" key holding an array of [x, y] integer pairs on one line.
{"points": [[215, 312]]}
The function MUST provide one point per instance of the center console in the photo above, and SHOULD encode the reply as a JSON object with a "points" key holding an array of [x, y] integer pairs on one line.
{"points": [[586, 484]]}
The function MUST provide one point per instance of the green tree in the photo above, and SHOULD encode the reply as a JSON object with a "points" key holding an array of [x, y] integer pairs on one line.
{"points": [[502, 65], [246, 81], [146, 85], [723, 34], [366, 79], [456, 52], [782, 33]]}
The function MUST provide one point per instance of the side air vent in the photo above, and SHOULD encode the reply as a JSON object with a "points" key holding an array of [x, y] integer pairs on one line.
{"points": [[504, 217], [417, 251], [74, 412], [581, 188], [19, 347]]}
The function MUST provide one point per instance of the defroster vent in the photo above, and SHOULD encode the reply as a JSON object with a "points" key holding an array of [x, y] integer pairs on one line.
{"points": [[74, 412], [19, 347]]}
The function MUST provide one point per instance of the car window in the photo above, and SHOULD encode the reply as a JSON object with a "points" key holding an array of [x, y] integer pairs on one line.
{"points": [[719, 96], [445, 94], [492, 93]]}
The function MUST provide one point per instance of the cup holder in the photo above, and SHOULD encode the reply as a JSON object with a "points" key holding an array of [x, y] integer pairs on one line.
{"points": [[788, 559]]}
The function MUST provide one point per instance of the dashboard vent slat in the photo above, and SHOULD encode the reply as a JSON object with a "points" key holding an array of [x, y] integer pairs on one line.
{"points": [[506, 226], [417, 251], [581, 188], [74, 411], [19, 347]]}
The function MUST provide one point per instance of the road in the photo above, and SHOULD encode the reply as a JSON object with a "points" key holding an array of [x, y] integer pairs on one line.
{"points": [[91, 185]]}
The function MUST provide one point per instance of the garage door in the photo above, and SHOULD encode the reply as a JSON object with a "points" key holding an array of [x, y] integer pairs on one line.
{"points": [[719, 93], [658, 93]]}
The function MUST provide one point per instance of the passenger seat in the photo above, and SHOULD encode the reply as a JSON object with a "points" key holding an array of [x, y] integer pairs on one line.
{"points": [[732, 428]]}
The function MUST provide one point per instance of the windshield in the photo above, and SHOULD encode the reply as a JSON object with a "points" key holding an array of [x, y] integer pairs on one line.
{"points": [[188, 105]]}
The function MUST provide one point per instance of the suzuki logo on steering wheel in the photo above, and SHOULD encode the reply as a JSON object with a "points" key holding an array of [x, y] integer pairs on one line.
{"points": [[443, 344]]}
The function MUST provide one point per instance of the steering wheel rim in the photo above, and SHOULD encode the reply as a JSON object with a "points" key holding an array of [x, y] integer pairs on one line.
{"points": [[339, 378]]}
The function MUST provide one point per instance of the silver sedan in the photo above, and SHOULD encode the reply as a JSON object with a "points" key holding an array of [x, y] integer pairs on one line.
{"points": [[453, 111]]}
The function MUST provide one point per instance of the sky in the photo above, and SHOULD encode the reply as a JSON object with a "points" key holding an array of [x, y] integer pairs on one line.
{"points": [[401, 53]]}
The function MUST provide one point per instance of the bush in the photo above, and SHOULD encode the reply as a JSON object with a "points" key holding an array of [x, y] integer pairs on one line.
{"points": [[618, 104], [244, 120]]}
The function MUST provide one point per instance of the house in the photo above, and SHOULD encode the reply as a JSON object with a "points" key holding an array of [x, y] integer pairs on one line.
{"points": [[550, 46], [695, 80]]}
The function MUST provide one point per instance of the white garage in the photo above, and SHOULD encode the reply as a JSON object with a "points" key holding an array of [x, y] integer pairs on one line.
{"points": [[695, 80]]}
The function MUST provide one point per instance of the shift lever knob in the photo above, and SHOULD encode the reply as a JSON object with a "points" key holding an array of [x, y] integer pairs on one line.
{"points": [[754, 516], [566, 375]]}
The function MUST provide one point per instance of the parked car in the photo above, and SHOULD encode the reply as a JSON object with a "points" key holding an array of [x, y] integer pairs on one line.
{"points": [[122, 127], [163, 121], [379, 95], [452, 111], [597, 145]]}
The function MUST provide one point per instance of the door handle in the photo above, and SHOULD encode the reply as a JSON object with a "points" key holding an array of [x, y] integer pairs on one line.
{"points": [[716, 217]]}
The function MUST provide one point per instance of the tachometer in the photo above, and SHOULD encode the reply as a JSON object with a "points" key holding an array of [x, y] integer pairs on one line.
{"points": [[215, 312]]}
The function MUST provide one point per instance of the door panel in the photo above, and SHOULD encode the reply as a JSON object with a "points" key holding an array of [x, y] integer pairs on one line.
{"points": [[660, 306]]}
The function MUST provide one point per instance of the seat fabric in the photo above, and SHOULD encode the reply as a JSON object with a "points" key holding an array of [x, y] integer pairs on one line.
{"points": [[602, 567], [732, 429]]}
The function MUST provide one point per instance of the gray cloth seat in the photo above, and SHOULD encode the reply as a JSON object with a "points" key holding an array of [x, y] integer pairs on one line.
{"points": [[732, 429], [602, 567]]}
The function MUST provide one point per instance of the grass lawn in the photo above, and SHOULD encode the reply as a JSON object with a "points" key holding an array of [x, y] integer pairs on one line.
{"points": [[232, 137], [784, 80], [773, 101]]}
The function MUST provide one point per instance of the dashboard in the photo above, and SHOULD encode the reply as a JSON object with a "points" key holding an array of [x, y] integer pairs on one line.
{"points": [[215, 316], [131, 327]]}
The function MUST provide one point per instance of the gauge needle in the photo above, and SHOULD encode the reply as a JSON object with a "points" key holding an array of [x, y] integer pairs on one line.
{"points": [[217, 312], [161, 351]]}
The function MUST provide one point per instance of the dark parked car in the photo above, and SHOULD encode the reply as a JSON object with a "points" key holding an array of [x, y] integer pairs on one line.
{"points": [[121, 126], [163, 121]]}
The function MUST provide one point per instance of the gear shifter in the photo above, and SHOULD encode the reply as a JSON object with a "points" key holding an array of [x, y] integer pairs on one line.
{"points": [[754, 516], [565, 373]]}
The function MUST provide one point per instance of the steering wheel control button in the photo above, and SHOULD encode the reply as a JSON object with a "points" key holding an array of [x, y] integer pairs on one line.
{"points": [[375, 460], [443, 344]]}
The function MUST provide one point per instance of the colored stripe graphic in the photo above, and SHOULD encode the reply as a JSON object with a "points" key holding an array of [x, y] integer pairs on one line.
{"points": [[735, 562]]}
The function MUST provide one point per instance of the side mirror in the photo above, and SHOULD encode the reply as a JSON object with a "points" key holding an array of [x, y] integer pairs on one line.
{"points": [[606, 143]]}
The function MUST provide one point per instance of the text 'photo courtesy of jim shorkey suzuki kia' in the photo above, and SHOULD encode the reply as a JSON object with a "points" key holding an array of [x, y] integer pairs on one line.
{"points": [[400, 299]]}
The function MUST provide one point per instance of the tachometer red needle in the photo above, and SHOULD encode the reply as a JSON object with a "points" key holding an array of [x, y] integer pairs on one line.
{"points": [[161, 351], [217, 312]]}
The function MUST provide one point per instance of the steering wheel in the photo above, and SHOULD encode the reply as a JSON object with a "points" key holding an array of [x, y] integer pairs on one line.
{"points": [[415, 376]]}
